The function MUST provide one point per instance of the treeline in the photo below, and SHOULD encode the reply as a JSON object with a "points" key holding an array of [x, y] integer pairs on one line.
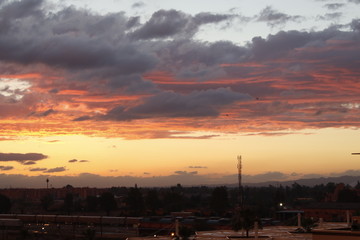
{"points": [[201, 201]]}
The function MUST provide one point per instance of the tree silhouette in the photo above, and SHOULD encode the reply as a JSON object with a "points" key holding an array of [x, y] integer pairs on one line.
{"points": [[47, 201], [5, 204], [91, 203], [219, 200], [347, 195], [107, 202], [69, 203], [243, 219], [173, 200], [135, 201], [152, 201]]}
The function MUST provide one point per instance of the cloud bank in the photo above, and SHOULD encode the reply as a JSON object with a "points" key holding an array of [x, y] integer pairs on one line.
{"points": [[183, 177], [23, 158], [84, 66]]}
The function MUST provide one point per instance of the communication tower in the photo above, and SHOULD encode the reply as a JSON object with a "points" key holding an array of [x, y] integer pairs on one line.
{"points": [[240, 196]]}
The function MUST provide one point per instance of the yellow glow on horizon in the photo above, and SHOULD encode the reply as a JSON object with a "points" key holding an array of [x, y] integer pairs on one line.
{"points": [[321, 151]]}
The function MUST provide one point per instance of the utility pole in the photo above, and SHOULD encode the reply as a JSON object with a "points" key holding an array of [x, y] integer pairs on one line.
{"points": [[240, 196], [47, 183]]}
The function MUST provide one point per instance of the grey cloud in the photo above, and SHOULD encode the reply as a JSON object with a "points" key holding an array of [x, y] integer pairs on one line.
{"points": [[138, 4], [22, 157], [169, 23], [44, 113], [92, 47], [281, 44], [162, 24], [37, 169], [54, 90], [29, 163], [205, 18], [273, 17], [18, 10], [351, 172], [330, 16], [355, 1], [132, 22], [6, 168], [169, 104], [192, 54], [53, 170], [134, 83], [186, 173], [82, 118], [311, 175], [183, 177], [47, 113], [197, 167], [263, 177], [355, 24], [75, 160], [334, 6]]}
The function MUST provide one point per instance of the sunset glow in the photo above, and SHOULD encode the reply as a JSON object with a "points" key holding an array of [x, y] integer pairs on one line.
{"points": [[160, 93]]}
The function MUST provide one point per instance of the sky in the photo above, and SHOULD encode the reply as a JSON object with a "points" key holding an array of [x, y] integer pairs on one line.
{"points": [[160, 92]]}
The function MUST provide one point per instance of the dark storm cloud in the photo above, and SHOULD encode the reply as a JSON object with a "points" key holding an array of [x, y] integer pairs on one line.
{"points": [[54, 170], [115, 56], [6, 168], [22, 157], [169, 104], [273, 17], [70, 38], [18, 10]]}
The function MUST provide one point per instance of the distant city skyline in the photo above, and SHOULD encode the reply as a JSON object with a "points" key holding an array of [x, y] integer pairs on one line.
{"points": [[160, 92]]}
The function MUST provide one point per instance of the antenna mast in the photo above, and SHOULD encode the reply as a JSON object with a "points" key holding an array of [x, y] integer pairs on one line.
{"points": [[239, 166]]}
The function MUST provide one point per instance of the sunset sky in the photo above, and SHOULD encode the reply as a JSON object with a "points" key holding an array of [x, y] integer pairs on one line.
{"points": [[159, 92]]}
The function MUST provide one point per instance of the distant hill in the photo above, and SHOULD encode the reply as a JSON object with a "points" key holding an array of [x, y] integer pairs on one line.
{"points": [[351, 180]]}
